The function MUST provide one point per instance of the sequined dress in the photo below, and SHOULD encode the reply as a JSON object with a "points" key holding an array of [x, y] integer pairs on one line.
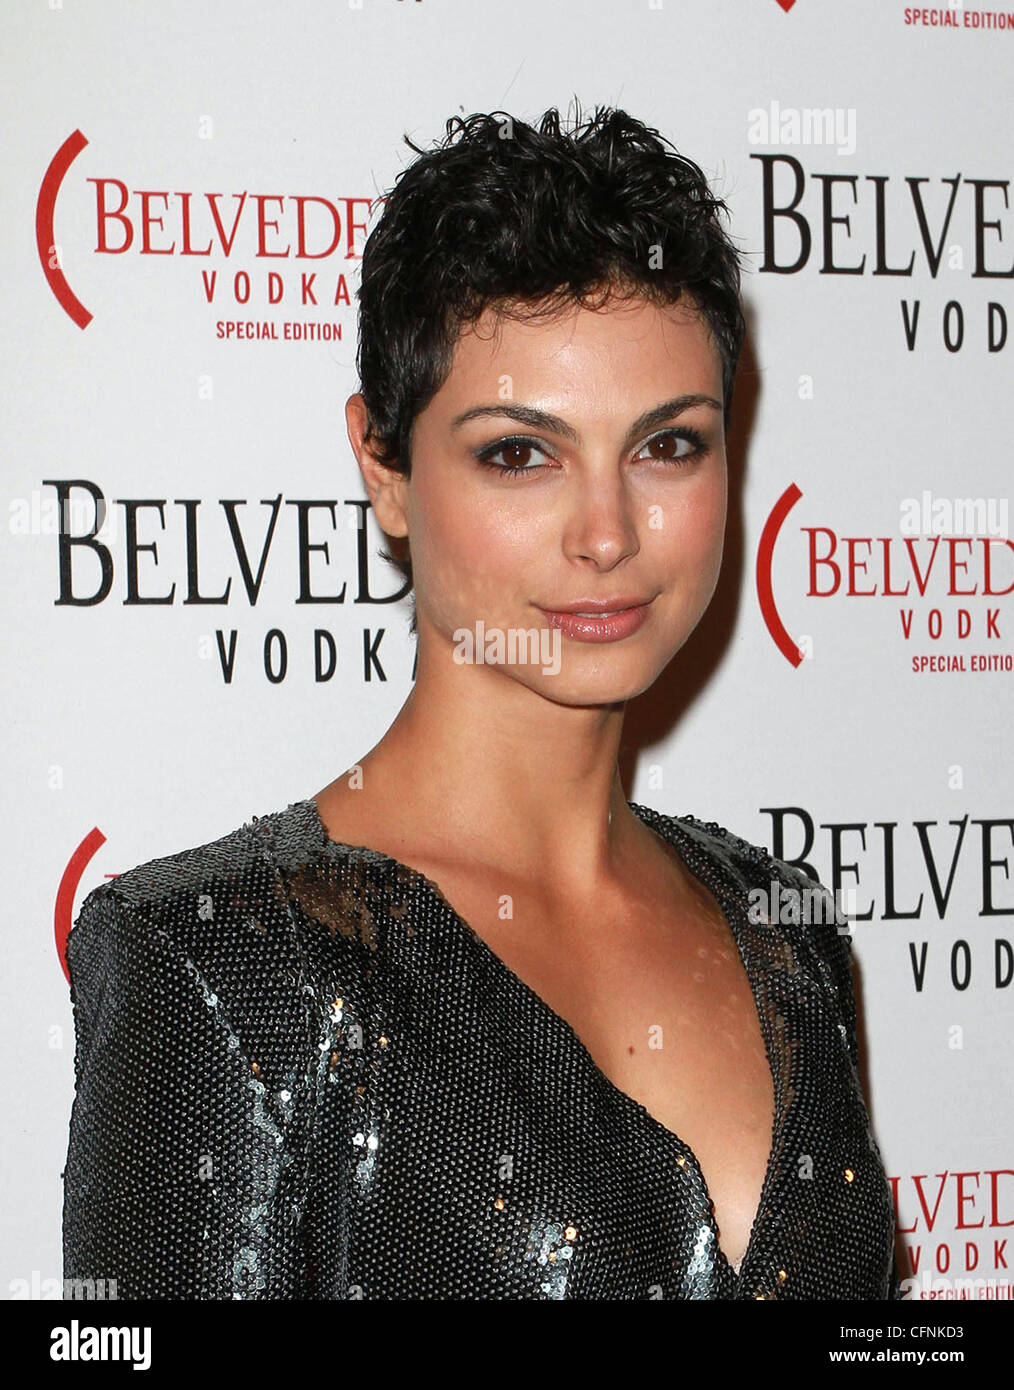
{"points": [[300, 1075]]}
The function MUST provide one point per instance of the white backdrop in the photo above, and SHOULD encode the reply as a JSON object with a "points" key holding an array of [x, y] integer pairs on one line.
{"points": [[125, 740]]}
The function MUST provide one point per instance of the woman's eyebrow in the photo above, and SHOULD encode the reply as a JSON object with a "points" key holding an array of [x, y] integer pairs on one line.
{"points": [[542, 419]]}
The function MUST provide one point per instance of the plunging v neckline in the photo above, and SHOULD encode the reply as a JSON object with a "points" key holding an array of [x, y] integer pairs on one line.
{"points": [[689, 851]]}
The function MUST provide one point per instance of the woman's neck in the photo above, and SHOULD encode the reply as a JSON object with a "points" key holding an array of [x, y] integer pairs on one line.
{"points": [[489, 764]]}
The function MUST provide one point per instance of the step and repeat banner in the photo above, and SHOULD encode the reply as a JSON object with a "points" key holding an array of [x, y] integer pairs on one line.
{"points": [[199, 627]]}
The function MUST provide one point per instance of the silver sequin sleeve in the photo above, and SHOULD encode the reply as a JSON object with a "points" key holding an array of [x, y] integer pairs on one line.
{"points": [[185, 1173]]}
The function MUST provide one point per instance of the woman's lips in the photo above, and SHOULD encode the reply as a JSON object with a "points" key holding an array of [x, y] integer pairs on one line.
{"points": [[604, 627]]}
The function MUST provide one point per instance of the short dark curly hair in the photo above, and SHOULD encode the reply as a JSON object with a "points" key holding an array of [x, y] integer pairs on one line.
{"points": [[525, 219]]}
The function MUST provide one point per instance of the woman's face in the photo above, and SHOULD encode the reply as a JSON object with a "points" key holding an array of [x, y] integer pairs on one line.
{"points": [[614, 500]]}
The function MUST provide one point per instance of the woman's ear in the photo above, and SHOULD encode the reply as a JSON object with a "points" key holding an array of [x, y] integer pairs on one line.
{"points": [[386, 486]]}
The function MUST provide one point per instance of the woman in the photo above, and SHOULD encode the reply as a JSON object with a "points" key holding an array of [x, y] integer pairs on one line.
{"points": [[466, 1024]]}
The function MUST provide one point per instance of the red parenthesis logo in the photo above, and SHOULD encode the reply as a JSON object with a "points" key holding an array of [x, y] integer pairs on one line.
{"points": [[46, 242], [63, 911], [765, 592]]}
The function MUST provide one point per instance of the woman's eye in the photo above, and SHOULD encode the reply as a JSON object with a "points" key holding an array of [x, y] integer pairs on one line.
{"points": [[668, 446], [516, 455]]}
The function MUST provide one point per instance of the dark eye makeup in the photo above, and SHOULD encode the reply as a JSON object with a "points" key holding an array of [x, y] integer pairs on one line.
{"points": [[488, 454]]}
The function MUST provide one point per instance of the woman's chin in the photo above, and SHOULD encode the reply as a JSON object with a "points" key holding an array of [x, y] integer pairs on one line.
{"points": [[584, 689]]}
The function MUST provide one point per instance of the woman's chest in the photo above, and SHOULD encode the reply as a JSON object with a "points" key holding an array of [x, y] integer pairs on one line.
{"points": [[476, 1131], [663, 1006]]}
